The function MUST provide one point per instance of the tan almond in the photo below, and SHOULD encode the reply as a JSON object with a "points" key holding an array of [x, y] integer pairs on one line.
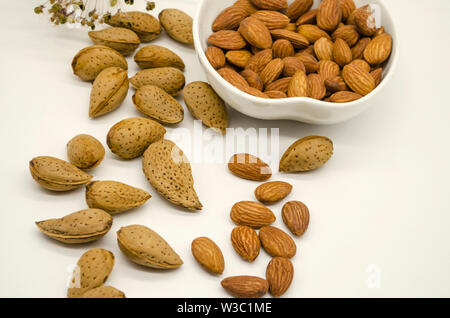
{"points": [[328, 69], [281, 85], [232, 77], [307, 18], [296, 217], [238, 58], [249, 167], [316, 86], [92, 270], [245, 286], [365, 20], [336, 84], [177, 24], [297, 40], [298, 86], [208, 254], [362, 64], [310, 62], [323, 48], [256, 33], [229, 18], [85, 151], [170, 79], [153, 56], [276, 242], [329, 15], [227, 39], [272, 19], [253, 79], [252, 214], [272, 71], [275, 94], [344, 97], [146, 26], [271, 192], [145, 247], [270, 4], [292, 64], [312, 32], [252, 91], [282, 48], [342, 54], [215, 56], [79, 227], [298, 8], [103, 292], [114, 197], [307, 154], [377, 75], [279, 275], [358, 49], [379, 49], [347, 6], [259, 61], [358, 79], [245, 242], [247, 5], [348, 33], [122, 40], [108, 91], [56, 174], [168, 170]]}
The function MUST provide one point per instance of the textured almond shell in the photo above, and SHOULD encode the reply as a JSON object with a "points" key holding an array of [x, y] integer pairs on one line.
{"points": [[108, 91], [90, 61], [205, 105], [306, 154], [169, 172], [249, 167], [277, 242], [104, 292], [146, 26], [245, 242], [153, 56], [271, 192], [146, 247], [170, 79], [56, 174], [177, 24], [122, 40], [94, 268], [155, 103], [296, 217], [114, 197], [245, 286], [252, 214], [208, 254], [78, 227], [130, 137], [279, 275], [85, 151]]}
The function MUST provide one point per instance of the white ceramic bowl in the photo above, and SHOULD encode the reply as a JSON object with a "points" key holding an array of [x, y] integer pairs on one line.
{"points": [[302, 109]]}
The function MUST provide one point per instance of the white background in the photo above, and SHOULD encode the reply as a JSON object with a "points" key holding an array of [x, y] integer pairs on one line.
{"points": [[382, 202]]}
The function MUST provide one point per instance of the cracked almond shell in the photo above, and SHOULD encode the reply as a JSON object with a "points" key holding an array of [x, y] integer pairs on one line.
{"points": [[169, 172], [147, 248], [114, 197], [146, 26], [153, 56], [108, 91], [130, 137], [90, 61], [93, 269], [205, 105], [307, 154], [79, 227], [122, 40], [170, 79], [56, 174]]}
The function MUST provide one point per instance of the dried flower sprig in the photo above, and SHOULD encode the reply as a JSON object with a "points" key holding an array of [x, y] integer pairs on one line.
{"points": [[85, 12]]}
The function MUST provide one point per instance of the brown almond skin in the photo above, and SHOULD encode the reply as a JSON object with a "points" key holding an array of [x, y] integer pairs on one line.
{"points": [[227, 39], [256, 33], [298, 7], [252, 214], [272, 192], [279, 275], [215, 56], [245, 242], [229, 18], [249, 167], [329, 15], [208, 254], [296, 217], [277, 242], [344, 97], [253, 79], [245, 286]]}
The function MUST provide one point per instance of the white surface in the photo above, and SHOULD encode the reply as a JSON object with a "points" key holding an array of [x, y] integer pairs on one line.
{"points": [[303, 109], [382, 199]]}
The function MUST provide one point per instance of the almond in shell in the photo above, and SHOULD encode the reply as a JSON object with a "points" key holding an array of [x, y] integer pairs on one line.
{"points": [[90, 61], [92, 270], [155, 103], [108, 91], [307, 154], [296, 217], [85, 151], [114, 197], [56, 174], [177, 24], [103, 292], [153, 56], [205, 105], [276, 242], [252, 214], [130, 137], [122, 40], [208, 254], [249, 167], [146, 26], [279, 275], [170, 79], [79, 227], [271, 192], [169, 172], [245, 242], [245, 286], [145, 247]]}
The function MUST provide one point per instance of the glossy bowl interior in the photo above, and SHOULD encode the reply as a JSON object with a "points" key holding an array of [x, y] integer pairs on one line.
{"points": [[302, 109]]}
